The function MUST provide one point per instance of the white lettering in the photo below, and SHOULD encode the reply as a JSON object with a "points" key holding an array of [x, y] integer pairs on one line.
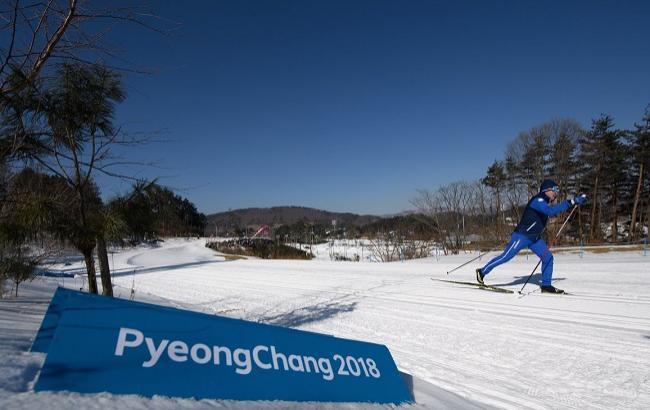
{"points": [[243, 360], [295, 362], [207, 353], [122, 342], [177, 351], [256, 357], [275, 356], [308, 360], [226, 352], [325, 367], [261, 356], [154, 352]]}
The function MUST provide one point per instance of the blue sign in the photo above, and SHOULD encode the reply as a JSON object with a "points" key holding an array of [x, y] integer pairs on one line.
{"points": [[50, 321], [97, 344]]}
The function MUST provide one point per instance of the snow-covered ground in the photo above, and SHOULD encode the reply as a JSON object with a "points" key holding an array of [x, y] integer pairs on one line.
{"points": [[463, 346]]}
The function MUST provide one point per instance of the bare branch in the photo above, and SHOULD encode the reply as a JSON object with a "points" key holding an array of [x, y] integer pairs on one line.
{"points": [[13, 38], [129, 19], [61, 30], [72, 57], [35, 32], [53, 42]]}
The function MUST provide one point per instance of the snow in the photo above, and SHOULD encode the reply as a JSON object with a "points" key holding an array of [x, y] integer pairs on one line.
{"points": [[463, 347]]}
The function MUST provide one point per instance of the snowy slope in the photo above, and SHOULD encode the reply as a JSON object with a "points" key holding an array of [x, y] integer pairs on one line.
{"points": [[463, 346]]}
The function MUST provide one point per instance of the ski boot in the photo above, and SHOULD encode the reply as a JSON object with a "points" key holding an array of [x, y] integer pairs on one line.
{"points": [[551, 289], [479, 276]]}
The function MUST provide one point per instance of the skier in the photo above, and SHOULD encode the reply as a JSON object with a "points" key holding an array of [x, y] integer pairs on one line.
{"points": [[528, 233]]}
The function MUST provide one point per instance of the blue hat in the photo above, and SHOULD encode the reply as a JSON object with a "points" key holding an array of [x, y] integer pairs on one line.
{"points": [[549, 185]]}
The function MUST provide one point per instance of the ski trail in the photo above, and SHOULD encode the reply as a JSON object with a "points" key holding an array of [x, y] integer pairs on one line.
{"points": [[589, 350]]}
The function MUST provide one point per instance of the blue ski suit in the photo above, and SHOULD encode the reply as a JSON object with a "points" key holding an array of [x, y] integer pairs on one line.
{"points": [[527, 235]]}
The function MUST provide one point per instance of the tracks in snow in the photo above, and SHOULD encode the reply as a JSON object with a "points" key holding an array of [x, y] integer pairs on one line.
{"points": [[453, 337]]}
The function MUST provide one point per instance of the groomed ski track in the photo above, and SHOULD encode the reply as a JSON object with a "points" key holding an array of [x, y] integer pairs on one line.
{"points": [[590, 350]]}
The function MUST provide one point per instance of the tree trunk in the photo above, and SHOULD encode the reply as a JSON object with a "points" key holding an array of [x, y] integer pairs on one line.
{"points": [[104, 268], [90, 268], [580, 226], [615, 224], [599, 220], [647, 217], [636, 204], [498, 218], [593, 211]]}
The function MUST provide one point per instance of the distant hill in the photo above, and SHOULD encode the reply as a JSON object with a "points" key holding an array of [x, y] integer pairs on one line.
{"points": [[285, 215]]}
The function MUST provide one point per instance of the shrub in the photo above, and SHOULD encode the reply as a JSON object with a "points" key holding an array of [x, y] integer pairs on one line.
{"points": [[259, 247]]}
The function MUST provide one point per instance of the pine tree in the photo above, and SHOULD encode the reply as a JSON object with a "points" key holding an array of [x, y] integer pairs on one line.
{"points": [[513, 185], [614, 175], [79, 108], [496, 180], [535, 160], [640, 154], [594, 147]]}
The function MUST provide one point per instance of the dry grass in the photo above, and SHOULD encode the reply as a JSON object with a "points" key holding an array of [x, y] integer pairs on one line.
{"points": [[595, 249], [229, 257], [608, 249]]}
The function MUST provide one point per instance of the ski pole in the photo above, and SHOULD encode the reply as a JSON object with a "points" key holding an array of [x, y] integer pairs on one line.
{"points": [[549, 248], [470, 261]]}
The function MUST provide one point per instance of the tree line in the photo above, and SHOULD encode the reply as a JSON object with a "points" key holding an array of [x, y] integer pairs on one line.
{"points": [[607, 163], [55, 137], [58, 133]]}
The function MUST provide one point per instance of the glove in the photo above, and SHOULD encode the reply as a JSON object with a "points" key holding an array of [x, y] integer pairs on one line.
{"points": [[579, 200]]}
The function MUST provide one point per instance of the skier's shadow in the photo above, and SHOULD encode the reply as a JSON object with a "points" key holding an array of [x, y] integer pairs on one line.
{"points": [[520, 280]]}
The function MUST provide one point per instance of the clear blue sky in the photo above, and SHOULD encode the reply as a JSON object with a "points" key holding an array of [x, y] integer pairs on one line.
{"points": [[353, 105]]}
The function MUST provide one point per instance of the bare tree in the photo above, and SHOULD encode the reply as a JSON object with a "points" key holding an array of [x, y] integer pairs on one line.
{"points": [[36, 33], [385, 246], [403, 238], [427, 203], [37, 37], [479, 201], [515, 191], [455, 200], [449, 207]]}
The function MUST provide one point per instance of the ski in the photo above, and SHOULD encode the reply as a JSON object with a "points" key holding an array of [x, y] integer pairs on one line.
{"points": [[536, 292], [476, 285]]}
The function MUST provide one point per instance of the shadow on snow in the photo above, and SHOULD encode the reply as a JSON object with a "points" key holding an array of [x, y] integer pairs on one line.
{"points": [[137, 271], [520, 280], [309, 314]]}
